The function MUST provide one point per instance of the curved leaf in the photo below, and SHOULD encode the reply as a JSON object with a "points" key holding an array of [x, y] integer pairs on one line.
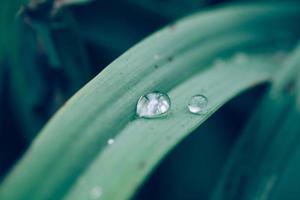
{"points": [[265, 149]]}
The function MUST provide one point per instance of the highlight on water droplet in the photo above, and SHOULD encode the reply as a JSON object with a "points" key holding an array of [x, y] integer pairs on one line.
{"points": [[110, 141], [153, 105], [198, 104], [96, 192]]}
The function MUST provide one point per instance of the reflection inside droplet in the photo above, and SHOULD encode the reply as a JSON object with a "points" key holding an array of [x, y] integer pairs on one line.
{"points": [[198, 104], [153, 105]]}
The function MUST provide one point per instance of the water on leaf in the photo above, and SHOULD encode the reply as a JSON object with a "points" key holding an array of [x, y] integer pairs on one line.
{"points": [[153, 105], [96, 192], [198, 104], [156, 56], [110, 141]]}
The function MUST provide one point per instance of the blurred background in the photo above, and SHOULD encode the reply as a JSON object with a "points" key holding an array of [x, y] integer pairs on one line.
{"points": [[50, 48]]}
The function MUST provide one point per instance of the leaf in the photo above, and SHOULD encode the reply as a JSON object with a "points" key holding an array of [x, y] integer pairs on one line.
{"points": [[288, 182], [10, 53], [71, 156], [100, 24], [52, 64], [143, 148], [288, 76], [58, 4], [170, 9], [267, 145], [61, 43]]}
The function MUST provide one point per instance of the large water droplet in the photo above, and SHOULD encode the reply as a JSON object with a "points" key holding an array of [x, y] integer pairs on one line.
{"points": [[153, 105], [96, 192], [198, 104]]}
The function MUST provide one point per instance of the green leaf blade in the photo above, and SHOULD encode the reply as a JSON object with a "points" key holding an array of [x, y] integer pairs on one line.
{"points": [[135, 153], [267, 145]]}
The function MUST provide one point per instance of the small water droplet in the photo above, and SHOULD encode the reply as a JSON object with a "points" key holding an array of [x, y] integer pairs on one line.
{"points": [[153, 105], [198, 104], [110, 141], [96, 192], [156, 56]]}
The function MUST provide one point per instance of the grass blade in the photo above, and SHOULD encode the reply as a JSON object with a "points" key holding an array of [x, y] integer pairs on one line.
{"points": [[142, 143], [267, 144], [74, 143]]}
